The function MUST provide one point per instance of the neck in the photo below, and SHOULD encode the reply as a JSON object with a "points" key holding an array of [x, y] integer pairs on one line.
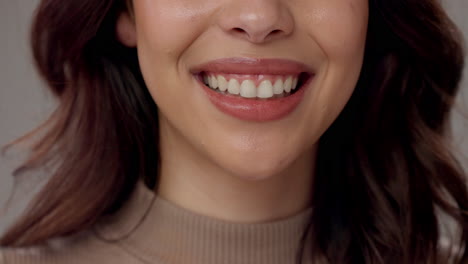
{"points": [[194, 183]]}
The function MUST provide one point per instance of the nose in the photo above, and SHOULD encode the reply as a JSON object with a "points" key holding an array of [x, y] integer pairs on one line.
{"points": [[257, 21]]}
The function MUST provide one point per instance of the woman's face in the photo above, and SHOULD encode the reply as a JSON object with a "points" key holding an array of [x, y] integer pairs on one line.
{"points": [[254, 51]]}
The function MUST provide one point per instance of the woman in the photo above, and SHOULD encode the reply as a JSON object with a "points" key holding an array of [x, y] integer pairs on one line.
{"points": [[265, 131]]}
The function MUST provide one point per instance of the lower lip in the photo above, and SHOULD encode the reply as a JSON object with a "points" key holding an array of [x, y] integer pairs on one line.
{"points": [[256, 110]]}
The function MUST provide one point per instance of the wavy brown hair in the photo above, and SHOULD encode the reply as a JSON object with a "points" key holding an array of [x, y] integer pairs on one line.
{"points": [[385, 167]]}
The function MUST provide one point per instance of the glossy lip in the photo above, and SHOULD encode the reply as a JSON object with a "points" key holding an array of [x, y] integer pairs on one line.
{"points": [[249, 109], [253, 66]]}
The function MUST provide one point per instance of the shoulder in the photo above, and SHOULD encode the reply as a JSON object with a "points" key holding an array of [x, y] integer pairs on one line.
{"points": [[103, 243], [85, 249]]}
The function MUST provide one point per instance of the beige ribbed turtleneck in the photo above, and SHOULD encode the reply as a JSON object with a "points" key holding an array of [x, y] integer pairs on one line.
{"points": [[149, 229]]}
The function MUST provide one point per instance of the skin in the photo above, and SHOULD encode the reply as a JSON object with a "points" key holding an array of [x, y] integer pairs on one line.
{"points": [[215, 164]]}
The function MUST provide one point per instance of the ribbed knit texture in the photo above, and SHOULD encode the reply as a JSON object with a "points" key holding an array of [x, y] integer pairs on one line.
{"points": [[150, 229]]}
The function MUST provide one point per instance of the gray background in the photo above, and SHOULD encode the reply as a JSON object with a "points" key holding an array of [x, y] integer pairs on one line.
{"points": [[24, 103]]}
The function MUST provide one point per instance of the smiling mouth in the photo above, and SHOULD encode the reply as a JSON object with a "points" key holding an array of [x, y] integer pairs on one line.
{"points": [[256, 90], [257, 86]]}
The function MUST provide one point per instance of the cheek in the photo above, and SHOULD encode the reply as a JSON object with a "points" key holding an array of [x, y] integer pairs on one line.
{"points": [[168, 27], [339, 27], [165, 30]]}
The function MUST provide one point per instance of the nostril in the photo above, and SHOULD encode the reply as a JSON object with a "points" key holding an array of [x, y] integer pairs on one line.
{"points": [[256, 36], [275, 32], [239, 30]]}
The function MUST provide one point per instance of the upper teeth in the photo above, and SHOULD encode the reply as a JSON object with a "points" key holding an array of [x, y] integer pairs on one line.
{"points": [[266, 88]]}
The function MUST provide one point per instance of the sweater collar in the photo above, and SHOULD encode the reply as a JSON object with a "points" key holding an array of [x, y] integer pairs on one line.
{"points": [[158, 231]]}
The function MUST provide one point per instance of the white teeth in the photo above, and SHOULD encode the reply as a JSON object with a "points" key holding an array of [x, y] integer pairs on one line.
{"points": [[278, 87], [294, 84], [288, 84], [214, 82], [233, 87], [248, 89], [222, 83], [265, 89], [210, 81]]}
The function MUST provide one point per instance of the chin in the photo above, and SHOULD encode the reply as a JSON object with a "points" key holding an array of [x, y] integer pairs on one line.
{"points": [[257, 166]]}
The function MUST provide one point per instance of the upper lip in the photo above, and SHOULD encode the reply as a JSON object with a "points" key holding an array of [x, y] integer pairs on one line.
{"points": [[252, 66]]}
